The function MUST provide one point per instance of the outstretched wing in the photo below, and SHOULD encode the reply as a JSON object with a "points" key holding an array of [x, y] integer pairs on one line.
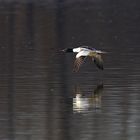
{"points": [[98, 61], [78, 62]]}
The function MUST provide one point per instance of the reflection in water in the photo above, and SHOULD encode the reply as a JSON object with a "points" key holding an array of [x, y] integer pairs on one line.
{"points": [[83, 103]]}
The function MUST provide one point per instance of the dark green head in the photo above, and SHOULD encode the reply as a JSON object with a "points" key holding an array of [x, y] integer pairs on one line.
{"points": [[67, 50]]}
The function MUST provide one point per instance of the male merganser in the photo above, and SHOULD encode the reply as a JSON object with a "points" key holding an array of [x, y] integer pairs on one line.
{"points": [[83, 52]]}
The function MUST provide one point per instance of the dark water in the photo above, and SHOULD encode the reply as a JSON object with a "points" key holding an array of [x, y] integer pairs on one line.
{"points": [[41, 98]]}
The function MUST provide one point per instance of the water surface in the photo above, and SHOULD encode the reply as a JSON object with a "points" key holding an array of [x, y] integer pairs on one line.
{"points": [[42, 98]]}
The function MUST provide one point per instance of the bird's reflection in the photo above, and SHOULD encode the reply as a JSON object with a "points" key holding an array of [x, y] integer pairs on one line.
{"points": [[83, 102]]}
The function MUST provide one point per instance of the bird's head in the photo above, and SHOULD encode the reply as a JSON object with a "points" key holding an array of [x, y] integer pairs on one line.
{"points": [[67, 50]]}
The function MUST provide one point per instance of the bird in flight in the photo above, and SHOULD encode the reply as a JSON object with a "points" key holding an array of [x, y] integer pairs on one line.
{"points": [[82, 53]]}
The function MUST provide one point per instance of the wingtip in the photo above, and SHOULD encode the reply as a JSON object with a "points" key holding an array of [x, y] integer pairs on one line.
{"points": [[75, 71], [101, 68]]}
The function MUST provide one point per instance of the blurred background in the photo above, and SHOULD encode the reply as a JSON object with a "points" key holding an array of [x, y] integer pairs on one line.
{"points": [[41, 98]]}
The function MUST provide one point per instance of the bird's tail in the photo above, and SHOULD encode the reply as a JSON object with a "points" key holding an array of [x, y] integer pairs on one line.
{"points": [[101, 52]]}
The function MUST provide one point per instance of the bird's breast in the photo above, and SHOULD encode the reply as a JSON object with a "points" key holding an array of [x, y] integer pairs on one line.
{"points": [[82, 53]]}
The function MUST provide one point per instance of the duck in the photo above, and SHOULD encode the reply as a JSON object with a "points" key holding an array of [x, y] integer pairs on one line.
{"points": [[82, 53]]}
